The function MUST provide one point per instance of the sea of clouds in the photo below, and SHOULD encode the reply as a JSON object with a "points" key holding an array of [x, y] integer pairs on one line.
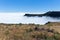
{"points": [[17, 17]]}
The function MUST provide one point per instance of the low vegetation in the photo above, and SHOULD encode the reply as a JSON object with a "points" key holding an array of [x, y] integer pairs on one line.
{"points": [[50, 31]]}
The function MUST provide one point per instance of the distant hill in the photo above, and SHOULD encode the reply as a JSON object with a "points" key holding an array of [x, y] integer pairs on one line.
{"points": [[53, 13], [49, 13]]}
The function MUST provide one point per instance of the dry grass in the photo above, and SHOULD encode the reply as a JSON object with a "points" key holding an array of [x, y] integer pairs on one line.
{"points": [[49, 31]]}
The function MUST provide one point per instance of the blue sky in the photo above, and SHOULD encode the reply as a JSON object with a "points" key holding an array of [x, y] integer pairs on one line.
{"points": [[29, 5]]}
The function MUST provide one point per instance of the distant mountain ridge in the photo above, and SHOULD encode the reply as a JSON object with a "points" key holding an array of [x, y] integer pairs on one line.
{"points": [[49, 13]]}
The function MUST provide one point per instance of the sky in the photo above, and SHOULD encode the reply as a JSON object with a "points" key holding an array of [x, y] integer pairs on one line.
{"points": [[29, 5]]}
